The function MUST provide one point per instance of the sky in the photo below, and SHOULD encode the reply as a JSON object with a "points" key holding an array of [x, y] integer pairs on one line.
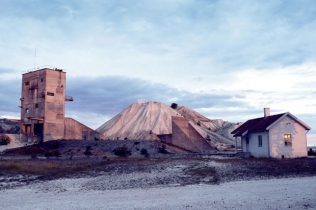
{"points": [[224, 59]]}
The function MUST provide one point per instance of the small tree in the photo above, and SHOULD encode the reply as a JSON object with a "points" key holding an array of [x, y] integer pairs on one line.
{"points": [[88, 152], [4, 140], [174, 105]]}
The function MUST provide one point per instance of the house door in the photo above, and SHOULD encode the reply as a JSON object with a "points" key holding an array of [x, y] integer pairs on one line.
{"points": [[247, 144]]}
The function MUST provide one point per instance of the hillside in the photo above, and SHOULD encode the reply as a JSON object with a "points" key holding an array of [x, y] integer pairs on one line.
{"points": [[9, 126], [147, 120], [218, 129], [139, 122]]}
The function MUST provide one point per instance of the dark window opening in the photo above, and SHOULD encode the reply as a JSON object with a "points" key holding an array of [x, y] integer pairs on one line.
{"points": [[259, 141], [50, 94], [36, 105], [27, 83], [27, 110], [38, 129], [42, 80]]}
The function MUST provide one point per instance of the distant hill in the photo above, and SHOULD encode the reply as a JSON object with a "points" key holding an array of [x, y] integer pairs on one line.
{"points": [[9, 126], [144, 121]]}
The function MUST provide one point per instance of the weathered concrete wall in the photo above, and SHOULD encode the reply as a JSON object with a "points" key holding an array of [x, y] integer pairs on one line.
{"points": [[199, 141], [75, 130], [43, 105], [180, 134], [55, 83], [186, 136], [165, 138]]}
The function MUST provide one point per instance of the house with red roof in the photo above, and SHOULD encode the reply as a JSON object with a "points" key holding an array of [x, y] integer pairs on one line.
{"points": [[277, 136]]}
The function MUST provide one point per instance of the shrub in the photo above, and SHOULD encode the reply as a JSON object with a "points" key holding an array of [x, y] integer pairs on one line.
{"points": [[163, 150], [174, 105], [52, 153], [4, 140], [48, 154], [34, 157], [144, 152], [56, 153], [311, 152], [88, 151], [122, 151]]}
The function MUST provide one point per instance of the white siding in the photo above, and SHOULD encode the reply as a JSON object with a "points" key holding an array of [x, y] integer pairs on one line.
{"points": [[299, 142], [254, 148]]}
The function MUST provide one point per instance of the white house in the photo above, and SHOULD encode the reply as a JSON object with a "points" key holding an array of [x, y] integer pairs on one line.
{"points": [[277, 136]]}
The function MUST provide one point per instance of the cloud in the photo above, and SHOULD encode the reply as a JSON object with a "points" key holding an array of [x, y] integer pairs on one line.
{"points": [[10, 93], [109, 95], [204, 37], [212, 56]]}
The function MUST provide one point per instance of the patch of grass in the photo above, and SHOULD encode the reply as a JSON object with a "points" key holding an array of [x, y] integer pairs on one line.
{"points": [[50, 169], [204, 174]]}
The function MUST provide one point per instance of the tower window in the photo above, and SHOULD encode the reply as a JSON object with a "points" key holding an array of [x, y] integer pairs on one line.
{"points": [[27, 83], [36, 105], [27, 110], [42, 79], [50, 94]]}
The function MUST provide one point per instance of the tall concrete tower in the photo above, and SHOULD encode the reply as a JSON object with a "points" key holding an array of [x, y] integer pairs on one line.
{"points": [[43, 99]]}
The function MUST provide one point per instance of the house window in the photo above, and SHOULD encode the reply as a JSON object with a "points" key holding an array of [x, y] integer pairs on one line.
{"points": [[259, 141], [27, 83], [287, 140], [42, 79], [50, 94], [36, 105]]}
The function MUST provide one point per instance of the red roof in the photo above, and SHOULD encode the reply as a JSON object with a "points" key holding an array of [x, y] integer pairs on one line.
{"points": [[257, 124]]}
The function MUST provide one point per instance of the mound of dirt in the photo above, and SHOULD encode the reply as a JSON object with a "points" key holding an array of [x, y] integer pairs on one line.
{"points": [[144, 121]]}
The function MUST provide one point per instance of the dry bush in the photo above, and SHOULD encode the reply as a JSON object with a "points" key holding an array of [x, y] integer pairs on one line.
{"points": [[4, 139], [122, 151]]}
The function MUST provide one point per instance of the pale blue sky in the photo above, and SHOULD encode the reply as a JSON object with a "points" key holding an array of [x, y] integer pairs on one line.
{"points": [[225, 59]]}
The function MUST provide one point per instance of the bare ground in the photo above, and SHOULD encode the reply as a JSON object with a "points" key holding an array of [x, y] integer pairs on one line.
{"points": [[27, 165]]}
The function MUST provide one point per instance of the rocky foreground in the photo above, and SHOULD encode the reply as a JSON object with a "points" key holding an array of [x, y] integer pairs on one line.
{"points": [[210, 182]]}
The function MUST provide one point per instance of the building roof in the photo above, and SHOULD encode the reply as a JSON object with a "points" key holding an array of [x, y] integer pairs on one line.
{"points": [[264, 123]]}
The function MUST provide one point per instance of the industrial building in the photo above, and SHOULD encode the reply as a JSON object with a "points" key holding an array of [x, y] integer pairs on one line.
{"points": [[43, 98]]}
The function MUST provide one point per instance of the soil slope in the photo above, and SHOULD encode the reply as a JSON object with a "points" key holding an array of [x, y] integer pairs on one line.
{"points": [[147, 120], [139, 122]]}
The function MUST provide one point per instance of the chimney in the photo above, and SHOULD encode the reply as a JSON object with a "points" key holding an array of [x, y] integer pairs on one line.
{"points": [[266, 112]]}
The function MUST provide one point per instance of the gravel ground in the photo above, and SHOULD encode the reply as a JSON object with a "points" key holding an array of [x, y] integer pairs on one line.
{"points": [[292, 193], [160, 181]]}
